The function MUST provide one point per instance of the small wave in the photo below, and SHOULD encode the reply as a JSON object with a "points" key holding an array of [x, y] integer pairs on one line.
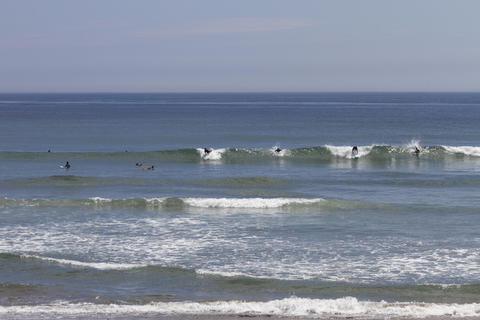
{"points": [[345, 307], [106, 266], [93, 265], [158, 203]]}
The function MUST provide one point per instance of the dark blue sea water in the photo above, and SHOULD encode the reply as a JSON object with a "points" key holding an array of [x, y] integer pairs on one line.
{"points": [[308, 231]]}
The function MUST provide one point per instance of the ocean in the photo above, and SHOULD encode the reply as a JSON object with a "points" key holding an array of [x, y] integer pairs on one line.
{"points": [[277, 220]]}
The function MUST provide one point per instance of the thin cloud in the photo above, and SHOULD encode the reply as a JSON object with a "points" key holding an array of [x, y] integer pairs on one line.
{"points": [[230, 26]]}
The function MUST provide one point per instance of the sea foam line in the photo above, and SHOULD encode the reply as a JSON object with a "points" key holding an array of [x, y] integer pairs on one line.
{"points": [[93, 265], [295, 307], [260, 203]]}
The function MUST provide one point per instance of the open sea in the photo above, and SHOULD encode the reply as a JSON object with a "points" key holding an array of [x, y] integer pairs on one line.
{"points": [[242, 231]]}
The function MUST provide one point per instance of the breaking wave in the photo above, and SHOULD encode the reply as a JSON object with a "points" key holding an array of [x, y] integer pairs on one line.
{"points": [[342, 308], [165, 202], [239, 155]]}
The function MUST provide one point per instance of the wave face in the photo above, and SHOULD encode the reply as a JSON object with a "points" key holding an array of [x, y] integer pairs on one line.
{"points": [[239, 155], [294, 205]]}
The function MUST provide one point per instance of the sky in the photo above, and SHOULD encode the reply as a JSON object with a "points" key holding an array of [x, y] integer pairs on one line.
{"points": [[235, 46]]}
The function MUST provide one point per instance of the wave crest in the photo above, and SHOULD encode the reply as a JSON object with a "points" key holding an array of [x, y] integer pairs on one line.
{"points": [[234, 155], [164, 202]]}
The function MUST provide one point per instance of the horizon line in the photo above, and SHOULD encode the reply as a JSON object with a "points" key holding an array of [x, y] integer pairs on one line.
{"points": [[231, 92]]}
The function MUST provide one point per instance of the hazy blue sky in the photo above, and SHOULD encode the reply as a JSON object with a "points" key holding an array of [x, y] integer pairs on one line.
{"points": [[243, 45]]}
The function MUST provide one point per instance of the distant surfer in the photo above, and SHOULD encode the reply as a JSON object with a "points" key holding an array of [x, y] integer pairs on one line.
{"points": [[278, 150], [206, 150], [138, 164], [149, 168], [354, 152], [49, 150], [66, 166], [417, 151]]}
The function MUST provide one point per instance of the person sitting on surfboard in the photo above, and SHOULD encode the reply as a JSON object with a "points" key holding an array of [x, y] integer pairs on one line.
{"points": [[67, 165], [354, 151]]}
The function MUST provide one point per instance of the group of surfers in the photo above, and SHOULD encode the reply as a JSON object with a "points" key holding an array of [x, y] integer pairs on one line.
{"points": [[207, 151]]}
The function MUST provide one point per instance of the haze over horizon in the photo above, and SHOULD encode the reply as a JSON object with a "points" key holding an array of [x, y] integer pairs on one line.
{"points": [[228, 46]]}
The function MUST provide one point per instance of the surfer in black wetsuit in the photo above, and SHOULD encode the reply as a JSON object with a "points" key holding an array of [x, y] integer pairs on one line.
{"points": [[67, 165], [417, 151], [354, 151], [207, 151], [278, 150], [138, 164]]}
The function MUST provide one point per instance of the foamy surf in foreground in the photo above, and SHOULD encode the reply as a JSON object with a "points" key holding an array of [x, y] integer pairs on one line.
{"points": [[290, 307]]}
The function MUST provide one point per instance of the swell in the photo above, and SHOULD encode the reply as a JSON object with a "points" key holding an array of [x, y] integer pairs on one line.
{"points": [[239, 155]]}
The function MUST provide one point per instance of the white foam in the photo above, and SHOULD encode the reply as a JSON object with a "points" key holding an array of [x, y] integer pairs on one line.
{"points": [[293, 307], [214, 154], [467, 150], [346, 151], [414, 143], [93, 265], [247, 202], [99, 200], [281, 153]]}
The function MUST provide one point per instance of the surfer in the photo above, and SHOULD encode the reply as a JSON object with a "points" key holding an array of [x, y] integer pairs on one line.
{"points": [[207, 151], [417, 151], [278, 150], [67, 165], [354, 151], [149, 168], [138, 164]]}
